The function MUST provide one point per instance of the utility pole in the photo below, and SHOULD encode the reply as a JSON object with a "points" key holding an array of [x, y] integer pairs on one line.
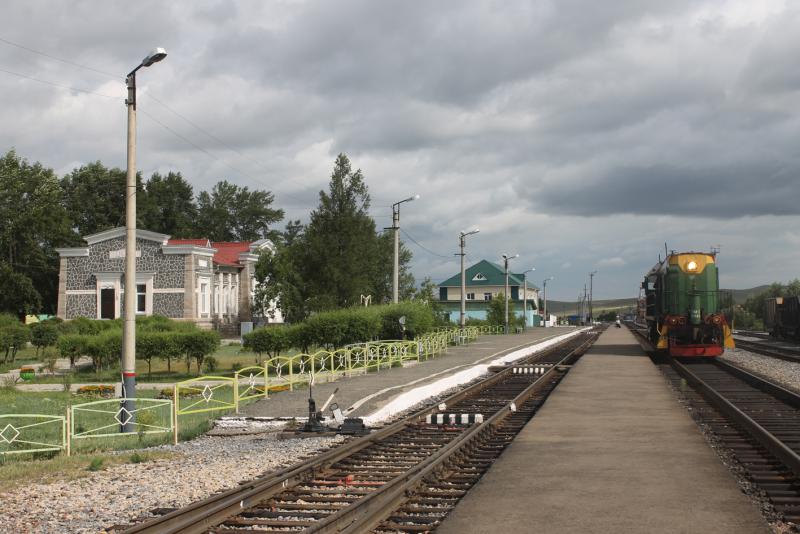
{"points": [[396, 228], [506, 257], [583, 306], [462, 243], [525, 298], [128, 355], [544, 287], [591, 295]]}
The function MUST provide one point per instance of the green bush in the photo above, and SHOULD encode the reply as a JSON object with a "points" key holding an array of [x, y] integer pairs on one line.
{"points": [[197, 345], [44, 334], [104, 349], [72, 346], [269, 339], [96, 464], [338, 328], [12, 338], [211, 364]]}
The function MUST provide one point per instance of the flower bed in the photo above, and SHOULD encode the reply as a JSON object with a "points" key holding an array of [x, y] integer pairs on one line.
{"points": [[101, 390]]}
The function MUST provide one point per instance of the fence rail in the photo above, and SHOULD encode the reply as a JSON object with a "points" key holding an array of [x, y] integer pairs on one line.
{"points": [[31, 433]]}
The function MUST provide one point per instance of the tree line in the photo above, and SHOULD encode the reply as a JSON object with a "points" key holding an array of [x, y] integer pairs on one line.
{"points": [[328, 263]]}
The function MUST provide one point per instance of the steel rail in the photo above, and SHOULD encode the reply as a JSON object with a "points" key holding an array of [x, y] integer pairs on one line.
{"points": [[366, 513], [774, 445], [199, 516], [790, 355]]}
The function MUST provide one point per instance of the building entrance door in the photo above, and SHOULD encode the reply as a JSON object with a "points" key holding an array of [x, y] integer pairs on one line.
{"points": [[107, 303]]}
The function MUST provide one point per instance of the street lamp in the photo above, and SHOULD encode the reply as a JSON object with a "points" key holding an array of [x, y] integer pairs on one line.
{"points": [[591, 296], [544, 289], [525, 298], [462, 242], [129, 326], [396, 228], [506, 259]]}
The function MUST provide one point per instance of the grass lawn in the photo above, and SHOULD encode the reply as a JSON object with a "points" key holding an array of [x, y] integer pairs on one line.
{"points": [[45, 470], [24, 357], [229, 357], [90, 422]]}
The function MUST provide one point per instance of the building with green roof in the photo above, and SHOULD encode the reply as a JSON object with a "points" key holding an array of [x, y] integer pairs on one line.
{"points": [[485, 280]]}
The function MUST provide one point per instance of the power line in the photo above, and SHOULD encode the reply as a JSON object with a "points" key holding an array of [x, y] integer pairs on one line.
{"points": [[56, 84], [423, 247], [62, 60]]}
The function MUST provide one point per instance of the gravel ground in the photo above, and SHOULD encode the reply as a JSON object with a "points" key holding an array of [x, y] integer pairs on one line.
{"points": [[785, 373], [122, 493]]}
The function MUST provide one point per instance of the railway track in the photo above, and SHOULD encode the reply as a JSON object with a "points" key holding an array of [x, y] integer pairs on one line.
{"points": [[405, 477], [769, 349], [757, 420]]}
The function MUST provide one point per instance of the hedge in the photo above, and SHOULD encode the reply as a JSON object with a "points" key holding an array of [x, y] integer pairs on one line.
{"points": [[343, 327]]}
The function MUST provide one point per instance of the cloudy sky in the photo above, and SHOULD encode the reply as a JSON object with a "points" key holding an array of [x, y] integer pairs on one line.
{"points": [[580, 134]]}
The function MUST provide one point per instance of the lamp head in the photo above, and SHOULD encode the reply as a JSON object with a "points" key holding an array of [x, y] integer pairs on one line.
{"points": [[154, 57]]}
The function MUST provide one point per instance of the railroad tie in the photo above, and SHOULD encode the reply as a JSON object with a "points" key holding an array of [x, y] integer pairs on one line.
{"points": [[454, 418]]}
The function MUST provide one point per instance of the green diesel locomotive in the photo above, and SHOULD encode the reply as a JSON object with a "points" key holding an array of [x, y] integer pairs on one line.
{"points": [[683, 306]]}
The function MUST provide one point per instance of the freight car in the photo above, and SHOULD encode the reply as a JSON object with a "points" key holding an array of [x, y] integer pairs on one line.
{"points": [[682, 306], [782, 317]]}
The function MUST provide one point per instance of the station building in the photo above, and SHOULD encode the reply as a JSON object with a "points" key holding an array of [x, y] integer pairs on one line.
{"points": [[484, 282], [209, 283]]}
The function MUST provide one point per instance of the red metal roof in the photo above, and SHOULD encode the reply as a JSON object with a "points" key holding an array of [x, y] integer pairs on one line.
{"points": [[228, 253], [195, 242]]}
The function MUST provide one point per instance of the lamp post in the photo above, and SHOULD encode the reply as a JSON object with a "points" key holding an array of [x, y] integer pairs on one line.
{"points": [[525, 298], [396, 228], [506, 259], [462, 243], [591, 295], [129, 326], [544, 288]]}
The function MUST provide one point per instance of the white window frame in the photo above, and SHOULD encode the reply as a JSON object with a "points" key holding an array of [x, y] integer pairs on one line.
{"points": [[203, 299], [470, 296], [487, 297]]}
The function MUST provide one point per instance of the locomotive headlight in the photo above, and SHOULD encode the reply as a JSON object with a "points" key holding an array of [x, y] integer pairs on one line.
{"points": [[691, 266]]}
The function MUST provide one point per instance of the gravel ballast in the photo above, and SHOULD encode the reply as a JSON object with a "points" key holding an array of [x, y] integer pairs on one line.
{"points": [[782, 372], [125, 492]]}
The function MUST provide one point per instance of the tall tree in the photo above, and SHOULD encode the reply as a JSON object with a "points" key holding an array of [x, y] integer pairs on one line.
{"points": [[233, 213], [341, 241], [17, 294], [94, 197], [33, 223], [168, 205], [281, 276]]}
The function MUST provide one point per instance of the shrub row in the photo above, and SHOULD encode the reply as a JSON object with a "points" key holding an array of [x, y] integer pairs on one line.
{"points": [[105, 348], [343, 327]]}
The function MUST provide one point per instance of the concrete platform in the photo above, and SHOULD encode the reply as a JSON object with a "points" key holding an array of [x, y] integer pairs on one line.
{"points": [[610, 451], [376, 389]]}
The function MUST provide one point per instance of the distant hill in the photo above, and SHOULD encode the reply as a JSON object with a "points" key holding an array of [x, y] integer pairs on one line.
{"points": [[561, 308], [741, 295]]}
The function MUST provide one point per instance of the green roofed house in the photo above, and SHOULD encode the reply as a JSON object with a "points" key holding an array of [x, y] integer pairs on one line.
{"points": [[485, 281]]}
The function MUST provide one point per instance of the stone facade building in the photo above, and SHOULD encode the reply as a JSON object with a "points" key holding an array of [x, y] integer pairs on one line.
{"points": [[196, 280]]}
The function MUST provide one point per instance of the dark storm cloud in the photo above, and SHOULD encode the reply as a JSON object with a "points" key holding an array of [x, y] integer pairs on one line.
{"points": [[502, 114], [719, 192]]}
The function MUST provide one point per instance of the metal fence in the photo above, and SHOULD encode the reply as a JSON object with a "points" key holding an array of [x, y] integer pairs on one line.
{"points": [[33, 433]]}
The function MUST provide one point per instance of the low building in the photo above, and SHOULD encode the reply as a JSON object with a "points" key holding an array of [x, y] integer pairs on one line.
{"points": [[211, 284], [484, 281]]}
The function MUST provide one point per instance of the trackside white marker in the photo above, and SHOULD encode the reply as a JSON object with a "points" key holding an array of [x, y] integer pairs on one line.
{"points": [[410, 398]]}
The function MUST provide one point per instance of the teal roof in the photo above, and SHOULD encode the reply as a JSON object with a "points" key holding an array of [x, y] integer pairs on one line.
{"points": [[491, 274]]}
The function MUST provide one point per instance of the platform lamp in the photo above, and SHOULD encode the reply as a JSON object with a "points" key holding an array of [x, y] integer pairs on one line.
{"points": [[506, 259], [525, 298], [125, 415]]}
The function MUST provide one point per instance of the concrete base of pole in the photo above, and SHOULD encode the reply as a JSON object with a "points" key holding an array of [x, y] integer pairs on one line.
{"points": [[129, 393]]}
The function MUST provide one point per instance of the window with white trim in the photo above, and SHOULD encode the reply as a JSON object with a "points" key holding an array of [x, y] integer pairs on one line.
{"points": [[487, 296], [141, 299], [479, 277], [470, 296]]}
